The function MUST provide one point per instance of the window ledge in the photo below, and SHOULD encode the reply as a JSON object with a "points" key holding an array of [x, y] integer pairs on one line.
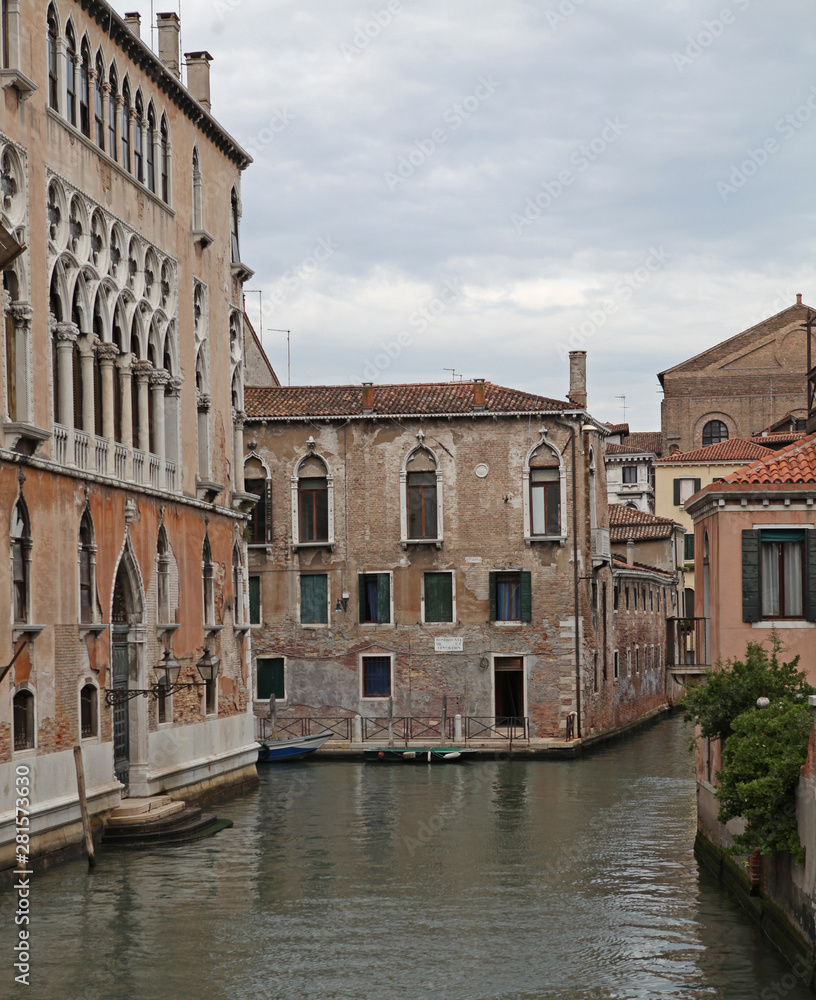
{"points": [[167, 629], [513, 624], [244, 500], [560, 539], [212, 629], [203, 238], [241, 629], [405, 542], [24, 437], [316, 626], [208, 490], [91, 628], [14, 78], [20, 629], [783, 623], [241, 271], [312, 545]]}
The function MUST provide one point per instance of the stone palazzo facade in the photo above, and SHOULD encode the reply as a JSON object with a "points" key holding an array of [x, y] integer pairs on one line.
{"points": [[121, 416]]}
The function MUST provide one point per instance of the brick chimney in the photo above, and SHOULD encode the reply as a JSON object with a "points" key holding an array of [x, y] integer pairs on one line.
{"points": [[134, 22], [798, 298], [577, 387], [478, 394], [198, 76], [368, 397], [169, 28]]}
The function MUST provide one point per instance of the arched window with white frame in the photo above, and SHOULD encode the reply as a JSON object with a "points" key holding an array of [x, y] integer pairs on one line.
{"points": [[544, 493], [87, 569], [70, 75], [420, 496], [88, 711], [198, 214], [208, 582], [21, 546], [53, 59], [312, 501]]}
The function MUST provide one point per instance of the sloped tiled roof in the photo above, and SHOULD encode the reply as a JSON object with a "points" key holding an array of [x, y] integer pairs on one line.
{"points": [[794, 464], [651, 441], [622, 449], [431, 398], [626, 522], [733, 450], [618, 562], [777, 440], [617, 428]]}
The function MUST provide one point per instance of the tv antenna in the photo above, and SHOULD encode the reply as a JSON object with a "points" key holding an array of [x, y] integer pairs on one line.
{"points": [[272, 329], [453, 374], [623, 406]]}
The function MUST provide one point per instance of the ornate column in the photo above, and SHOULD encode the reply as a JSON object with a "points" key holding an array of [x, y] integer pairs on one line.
{"points": [[238, 418], [158, 380], [142, 370], [124, 363], [172, 428], [107, 354], [22, 314], [86, 352], [203, 408], [91, 99], [105, 93], [66, 334]]}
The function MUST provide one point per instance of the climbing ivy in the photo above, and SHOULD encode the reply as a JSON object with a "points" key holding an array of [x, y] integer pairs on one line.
{"points": [[763, 749]]}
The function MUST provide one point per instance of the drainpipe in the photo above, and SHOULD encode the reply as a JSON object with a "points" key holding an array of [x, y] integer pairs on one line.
{"points": [[571, 429]]}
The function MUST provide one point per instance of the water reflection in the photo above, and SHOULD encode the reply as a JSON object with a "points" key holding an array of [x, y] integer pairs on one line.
{"points": [[500, 879]]}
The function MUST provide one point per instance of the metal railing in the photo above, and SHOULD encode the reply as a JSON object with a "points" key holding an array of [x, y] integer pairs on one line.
{"points": [[687, 642], [511, 727], [308, 725], [399, 728]]}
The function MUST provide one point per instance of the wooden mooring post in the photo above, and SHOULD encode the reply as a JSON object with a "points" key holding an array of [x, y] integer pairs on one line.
{"points": [[273, 715], [444, 719], [83, 805]]}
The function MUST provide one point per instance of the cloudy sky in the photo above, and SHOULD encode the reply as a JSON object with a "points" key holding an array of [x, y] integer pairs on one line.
{"points": [[441, 184]]}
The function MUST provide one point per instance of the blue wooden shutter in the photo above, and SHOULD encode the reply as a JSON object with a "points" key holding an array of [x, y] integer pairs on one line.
{"points": [[493, 602], [751, 593]]}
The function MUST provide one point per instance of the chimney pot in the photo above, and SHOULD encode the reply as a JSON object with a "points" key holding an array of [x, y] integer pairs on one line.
{"points": [[169, 28], [798, 298], [368, 397], [134, 21], [577, 387], [478, 394], [198, 76]]}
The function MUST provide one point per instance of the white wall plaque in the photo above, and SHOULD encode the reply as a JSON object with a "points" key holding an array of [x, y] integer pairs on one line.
{"points": [[449, 644]]}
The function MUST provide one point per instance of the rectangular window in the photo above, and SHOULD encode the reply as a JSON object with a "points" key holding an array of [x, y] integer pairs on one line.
{"points": [[314, 599], [628, 662], [510, 597], [313, 500], [616, 664], [637, 659], [255, 600], [438, 597], [545, 501], [270, 678], [782, 574], [422, 505], [630, 473], [375, 598], [376, 676], [627, 598], [615, 597], [688, 553], [684, 489]]}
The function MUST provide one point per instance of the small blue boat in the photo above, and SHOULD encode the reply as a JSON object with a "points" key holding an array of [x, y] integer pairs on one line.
{"points": [[274, 751]]}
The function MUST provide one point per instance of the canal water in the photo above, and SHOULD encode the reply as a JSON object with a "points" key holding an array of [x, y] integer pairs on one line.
{"points": [[495, 880]]}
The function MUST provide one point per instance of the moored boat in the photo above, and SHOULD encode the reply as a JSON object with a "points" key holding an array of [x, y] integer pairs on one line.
{"points": [[273, 751], [417, 755]]}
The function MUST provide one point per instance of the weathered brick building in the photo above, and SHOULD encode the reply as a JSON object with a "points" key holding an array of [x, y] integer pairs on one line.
{"points": [[121, 399], [740, 386], [421, 541]]}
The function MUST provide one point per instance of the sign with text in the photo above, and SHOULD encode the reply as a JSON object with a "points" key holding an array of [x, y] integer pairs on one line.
{"points": [[449, 644]]}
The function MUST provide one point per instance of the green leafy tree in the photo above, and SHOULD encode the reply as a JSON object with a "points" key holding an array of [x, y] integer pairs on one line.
{"points": [[762, 758], [763, 749]]}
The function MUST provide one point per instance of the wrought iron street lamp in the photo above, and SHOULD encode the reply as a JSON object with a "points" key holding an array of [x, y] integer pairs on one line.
{"points": [[167, 672]]}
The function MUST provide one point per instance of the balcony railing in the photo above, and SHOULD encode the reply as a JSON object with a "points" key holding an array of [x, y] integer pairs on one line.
{"points": [[687, 643], [138, 466], [101, 450], [120, 454], [82, 449], [60, 444], [156, 472], [170, 473]]}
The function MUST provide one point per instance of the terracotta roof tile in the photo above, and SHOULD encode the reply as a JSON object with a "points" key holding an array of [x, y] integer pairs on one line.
{"points": [[618, 562], [732, 450], [794, 464], [431, 398], [651, 441], [626, 522], [779, 439], [617, 428]]}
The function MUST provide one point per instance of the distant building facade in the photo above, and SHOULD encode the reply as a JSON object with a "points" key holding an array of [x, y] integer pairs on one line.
{"points": [[122, 406], [419, 541], [740, 386]]}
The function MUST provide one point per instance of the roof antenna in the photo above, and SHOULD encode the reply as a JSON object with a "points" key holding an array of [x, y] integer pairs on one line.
{"points": [[623, 406], [453, 374], [272, 329]]}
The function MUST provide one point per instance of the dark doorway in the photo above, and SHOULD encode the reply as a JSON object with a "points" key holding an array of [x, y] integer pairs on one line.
{"points": [[123, 612], [509, 688]]}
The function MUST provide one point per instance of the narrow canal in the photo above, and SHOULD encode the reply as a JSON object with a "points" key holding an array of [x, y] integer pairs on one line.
{"points": [[500, 880]]}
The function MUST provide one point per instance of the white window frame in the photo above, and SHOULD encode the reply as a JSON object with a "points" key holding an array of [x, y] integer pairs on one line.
{"points": [[296, 542], [375, 654], [529, 537], [453, 620], [405, 541], [81, 685], [265, 701]]}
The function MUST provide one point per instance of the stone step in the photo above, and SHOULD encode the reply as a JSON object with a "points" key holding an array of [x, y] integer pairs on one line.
{"points": [[154, 815], [134, 806], [191, 825]]}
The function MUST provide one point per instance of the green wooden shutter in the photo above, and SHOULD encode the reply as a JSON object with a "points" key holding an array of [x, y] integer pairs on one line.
{"points": [[751, 594], [677, 493], [493, 603], [810, 575], [270, 678], [688, 541], [526, 597], [360, 597], [696, 485], [268, 512], [255, 600], [313, 599], [438, 597], [383, 598]]}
